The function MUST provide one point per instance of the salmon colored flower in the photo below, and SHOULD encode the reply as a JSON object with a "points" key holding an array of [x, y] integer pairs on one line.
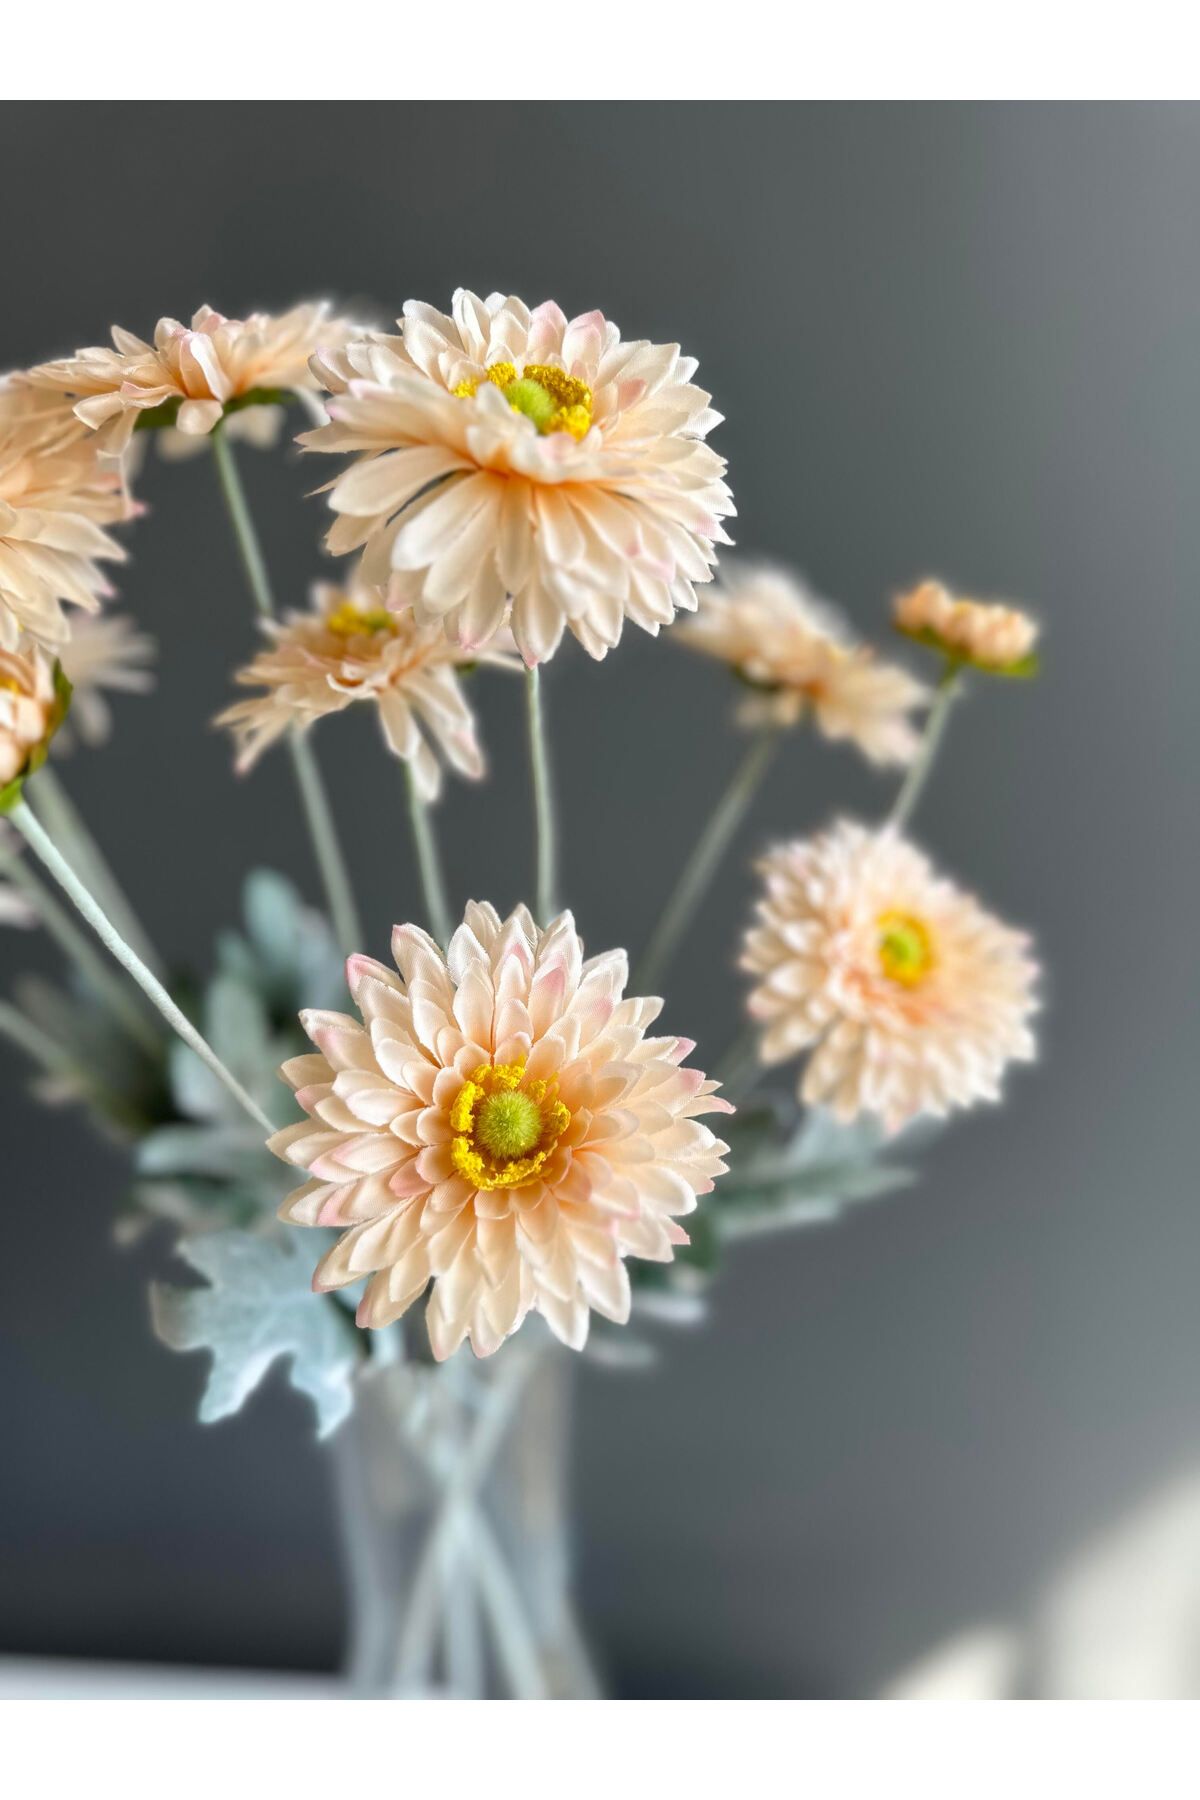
{"points": [[507, 455], [500, 1125], [909, 997], [998, 639], [799, 659], [197, 372], [56, 494], [351, 647], [102, 656]]}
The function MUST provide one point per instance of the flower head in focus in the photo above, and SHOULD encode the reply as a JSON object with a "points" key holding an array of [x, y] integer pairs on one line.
{"points": [[193, 372], [909, 996], [102, 656], [351, 647], [507, 454], [499, 1124], [34, 696], [56, 492], [794, 651], [997, 639]]}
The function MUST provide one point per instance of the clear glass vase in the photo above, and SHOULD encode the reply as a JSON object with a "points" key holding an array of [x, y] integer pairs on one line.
{"points": [[453, 1495]]}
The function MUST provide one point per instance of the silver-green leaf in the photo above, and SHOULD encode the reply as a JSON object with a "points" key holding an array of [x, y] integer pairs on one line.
{"points": [[258, 1306]]}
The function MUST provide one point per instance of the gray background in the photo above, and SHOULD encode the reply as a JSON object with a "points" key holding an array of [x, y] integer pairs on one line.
{"points": [[952, 338]]}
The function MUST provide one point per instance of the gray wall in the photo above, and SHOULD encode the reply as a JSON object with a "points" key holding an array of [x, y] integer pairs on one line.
{"points": [[960, 338]]}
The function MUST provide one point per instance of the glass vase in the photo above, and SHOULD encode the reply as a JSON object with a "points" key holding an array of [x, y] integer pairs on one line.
{"points": [[453, 1498]]}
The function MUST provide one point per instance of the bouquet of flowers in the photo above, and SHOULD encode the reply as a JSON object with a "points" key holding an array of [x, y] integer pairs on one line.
{"points": [[491, 1141]]}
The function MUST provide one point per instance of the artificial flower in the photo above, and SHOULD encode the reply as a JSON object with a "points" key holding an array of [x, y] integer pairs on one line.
{"points": [[32, 704], [56, 493], [998, 639], [196, 372], [351, 647], [102, 656], [499, 1125], [910, 997], [799, 659], [515, 456]]}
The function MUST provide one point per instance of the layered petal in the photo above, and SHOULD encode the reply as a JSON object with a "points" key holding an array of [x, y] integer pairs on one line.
{"points": [[907, 995], [513, 456], [498, 1126]]}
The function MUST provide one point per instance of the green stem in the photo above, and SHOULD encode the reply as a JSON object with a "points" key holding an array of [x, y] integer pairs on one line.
{"points": [[79, 949], [543, 800], [339, 893], [702, 865], [234, 494], [432, 885], [37, 1044], [43, 846], [60, 816], [919, 769], [328, 851]]}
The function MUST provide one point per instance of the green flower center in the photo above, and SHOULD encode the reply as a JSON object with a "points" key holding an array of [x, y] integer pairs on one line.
{"points": [[348, 620], [554, 400], [905, 949], [508, 1124]]}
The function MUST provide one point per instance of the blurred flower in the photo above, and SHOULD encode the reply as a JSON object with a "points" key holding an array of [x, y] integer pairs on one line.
{"points": [[55, 494], [911, 997], [214, 363], [520, 455], [348, 648], [796, 651], [999, 639], [31, 708], [102, 655], [502, 1126], [15, 909]]}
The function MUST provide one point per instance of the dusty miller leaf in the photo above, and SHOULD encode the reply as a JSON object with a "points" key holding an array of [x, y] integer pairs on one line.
{"points": [[258, 1306], [825, 1168]]}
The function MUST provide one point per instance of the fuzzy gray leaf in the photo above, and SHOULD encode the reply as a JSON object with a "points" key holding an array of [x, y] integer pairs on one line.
{"points": [[826, 1167], [258, 1306]]}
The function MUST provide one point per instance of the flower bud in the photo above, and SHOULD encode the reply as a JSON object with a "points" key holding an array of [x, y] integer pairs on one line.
{"points": [[999, 639], [34, 695]]}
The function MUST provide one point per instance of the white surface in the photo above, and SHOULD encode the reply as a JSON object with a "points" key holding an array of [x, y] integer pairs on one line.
{"points": [[53, 1678]]}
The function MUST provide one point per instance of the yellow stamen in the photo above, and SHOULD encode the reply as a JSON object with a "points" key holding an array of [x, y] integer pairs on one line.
{"points": [[554, 400], [505, 1128], [349, 620], [905, 948]]}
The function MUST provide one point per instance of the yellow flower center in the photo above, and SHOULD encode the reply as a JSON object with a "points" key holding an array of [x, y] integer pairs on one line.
{"points": [[349, 620], [905, 948], [504, 1126], [554, 400]]}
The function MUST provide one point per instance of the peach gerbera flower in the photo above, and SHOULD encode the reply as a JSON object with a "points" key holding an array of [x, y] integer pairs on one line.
{"points": [[198, 370], [55, 495], [351, 647], [999, 639], [796, 652], [106, 655], [911, 998], [524, 456], [500, 1125]]}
